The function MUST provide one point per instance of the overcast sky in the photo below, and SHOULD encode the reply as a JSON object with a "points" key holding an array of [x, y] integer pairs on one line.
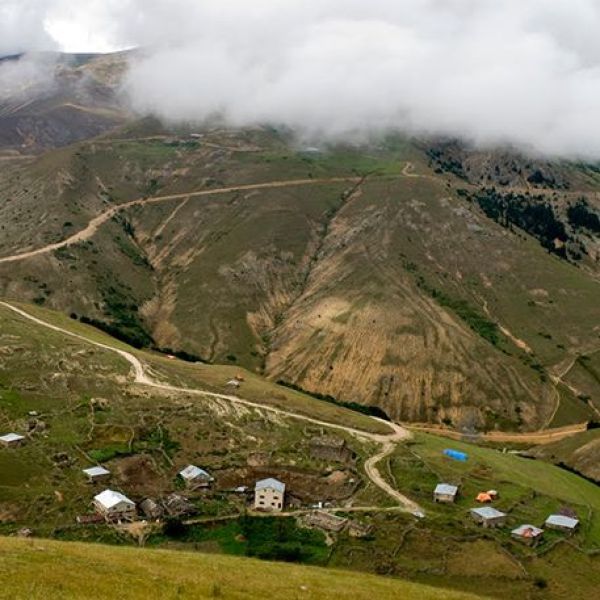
{"points": [[523, 72]]}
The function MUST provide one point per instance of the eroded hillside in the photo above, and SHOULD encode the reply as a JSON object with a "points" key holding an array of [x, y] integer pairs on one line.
{"points": [[369, 274]]}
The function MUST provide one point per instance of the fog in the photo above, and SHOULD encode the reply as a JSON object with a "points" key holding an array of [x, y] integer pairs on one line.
{"points": [[519, 72]]}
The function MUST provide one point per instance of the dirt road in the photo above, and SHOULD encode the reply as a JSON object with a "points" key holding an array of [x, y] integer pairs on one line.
{"points": [[388, 442], [534, 437], [102, 218]]}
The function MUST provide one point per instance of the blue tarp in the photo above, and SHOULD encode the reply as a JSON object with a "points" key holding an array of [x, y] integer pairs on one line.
{"points": [[456, 455]]}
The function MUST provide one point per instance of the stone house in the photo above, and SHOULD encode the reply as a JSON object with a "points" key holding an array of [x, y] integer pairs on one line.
{"points": [[445, 492], [562, 523], [95, 474], [269, 495], [12, 440], [195, 477], [488, 516]]}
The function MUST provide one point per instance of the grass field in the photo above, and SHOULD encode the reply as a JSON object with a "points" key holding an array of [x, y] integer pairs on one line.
{"points": [[47, 570], [530, 490]]}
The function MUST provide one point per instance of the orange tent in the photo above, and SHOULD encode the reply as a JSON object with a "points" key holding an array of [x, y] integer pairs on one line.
{"points": [[483, 497]]}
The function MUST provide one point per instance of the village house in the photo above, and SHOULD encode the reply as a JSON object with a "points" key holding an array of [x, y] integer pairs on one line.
{"points": [[562, 523], [324, 520], [151, 509], [95, 474], [488, 516], [269, 495], [195, 477], [114, 506], [529, 534], [12, 440], [330, 447], [445, 492]]}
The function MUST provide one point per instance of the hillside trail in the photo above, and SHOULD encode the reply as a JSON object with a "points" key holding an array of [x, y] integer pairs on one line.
{"points": [[103, 217], [388, 442], [534, 437]]}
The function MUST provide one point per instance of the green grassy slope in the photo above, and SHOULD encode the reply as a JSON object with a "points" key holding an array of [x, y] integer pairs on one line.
{"points": [[53, 570]]}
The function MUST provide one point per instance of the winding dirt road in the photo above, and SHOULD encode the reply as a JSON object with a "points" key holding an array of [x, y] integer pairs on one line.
{"points": [[388, 442], [102, 218]]}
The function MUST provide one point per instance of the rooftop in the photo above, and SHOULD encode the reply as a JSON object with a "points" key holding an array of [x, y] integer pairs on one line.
{"points": [[527, 531], [11, 437], [193, 472], [446, 489], [96, 471], [562, 521], [487, 512], [110, 498], [271, 483]]}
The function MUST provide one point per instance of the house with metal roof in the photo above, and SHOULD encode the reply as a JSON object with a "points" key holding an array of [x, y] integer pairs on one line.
{"points": [[195, 477], [529, 534], [11, 440], [488, 516], [96, 473], [269, 495], [562, 523], [114, 506], [445, 492]]}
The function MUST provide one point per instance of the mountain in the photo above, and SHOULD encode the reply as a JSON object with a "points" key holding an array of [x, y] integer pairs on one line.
{"points": [[67, 98], [437, 282]]}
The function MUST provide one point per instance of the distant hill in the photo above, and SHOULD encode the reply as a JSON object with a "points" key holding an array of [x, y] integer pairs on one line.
{"points": [[76, 100], [438, 282]]}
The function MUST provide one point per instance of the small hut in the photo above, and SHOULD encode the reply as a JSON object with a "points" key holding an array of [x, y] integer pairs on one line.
{"points": [[528, 534], [562, 523], [12, 440], [487, 516], [95, 474], [445, 492]]}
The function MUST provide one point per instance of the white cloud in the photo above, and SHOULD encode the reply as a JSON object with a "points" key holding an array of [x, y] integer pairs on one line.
{"points": [[525, 72]]}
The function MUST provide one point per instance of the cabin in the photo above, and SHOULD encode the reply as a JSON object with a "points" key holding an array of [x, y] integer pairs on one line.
{"points": [[114, 506], [269, 495], [95, 474], [528, 534], [330, 447], [562, 523], [151, 509], [483, 497], [195, 477], [234, 383], [12, 440], [487, 516], [445, 492]]}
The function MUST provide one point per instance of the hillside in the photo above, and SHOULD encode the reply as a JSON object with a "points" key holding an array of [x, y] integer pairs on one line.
{"points": [[52, 570], [441, 283], [581, 453], [82, 398]]}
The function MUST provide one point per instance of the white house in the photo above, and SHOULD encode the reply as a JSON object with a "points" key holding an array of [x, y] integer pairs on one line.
{"points": [[96, 473], [114, 506], [12, 439], [562, 522], [444, 492], [195, 477], [269, 495]]}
